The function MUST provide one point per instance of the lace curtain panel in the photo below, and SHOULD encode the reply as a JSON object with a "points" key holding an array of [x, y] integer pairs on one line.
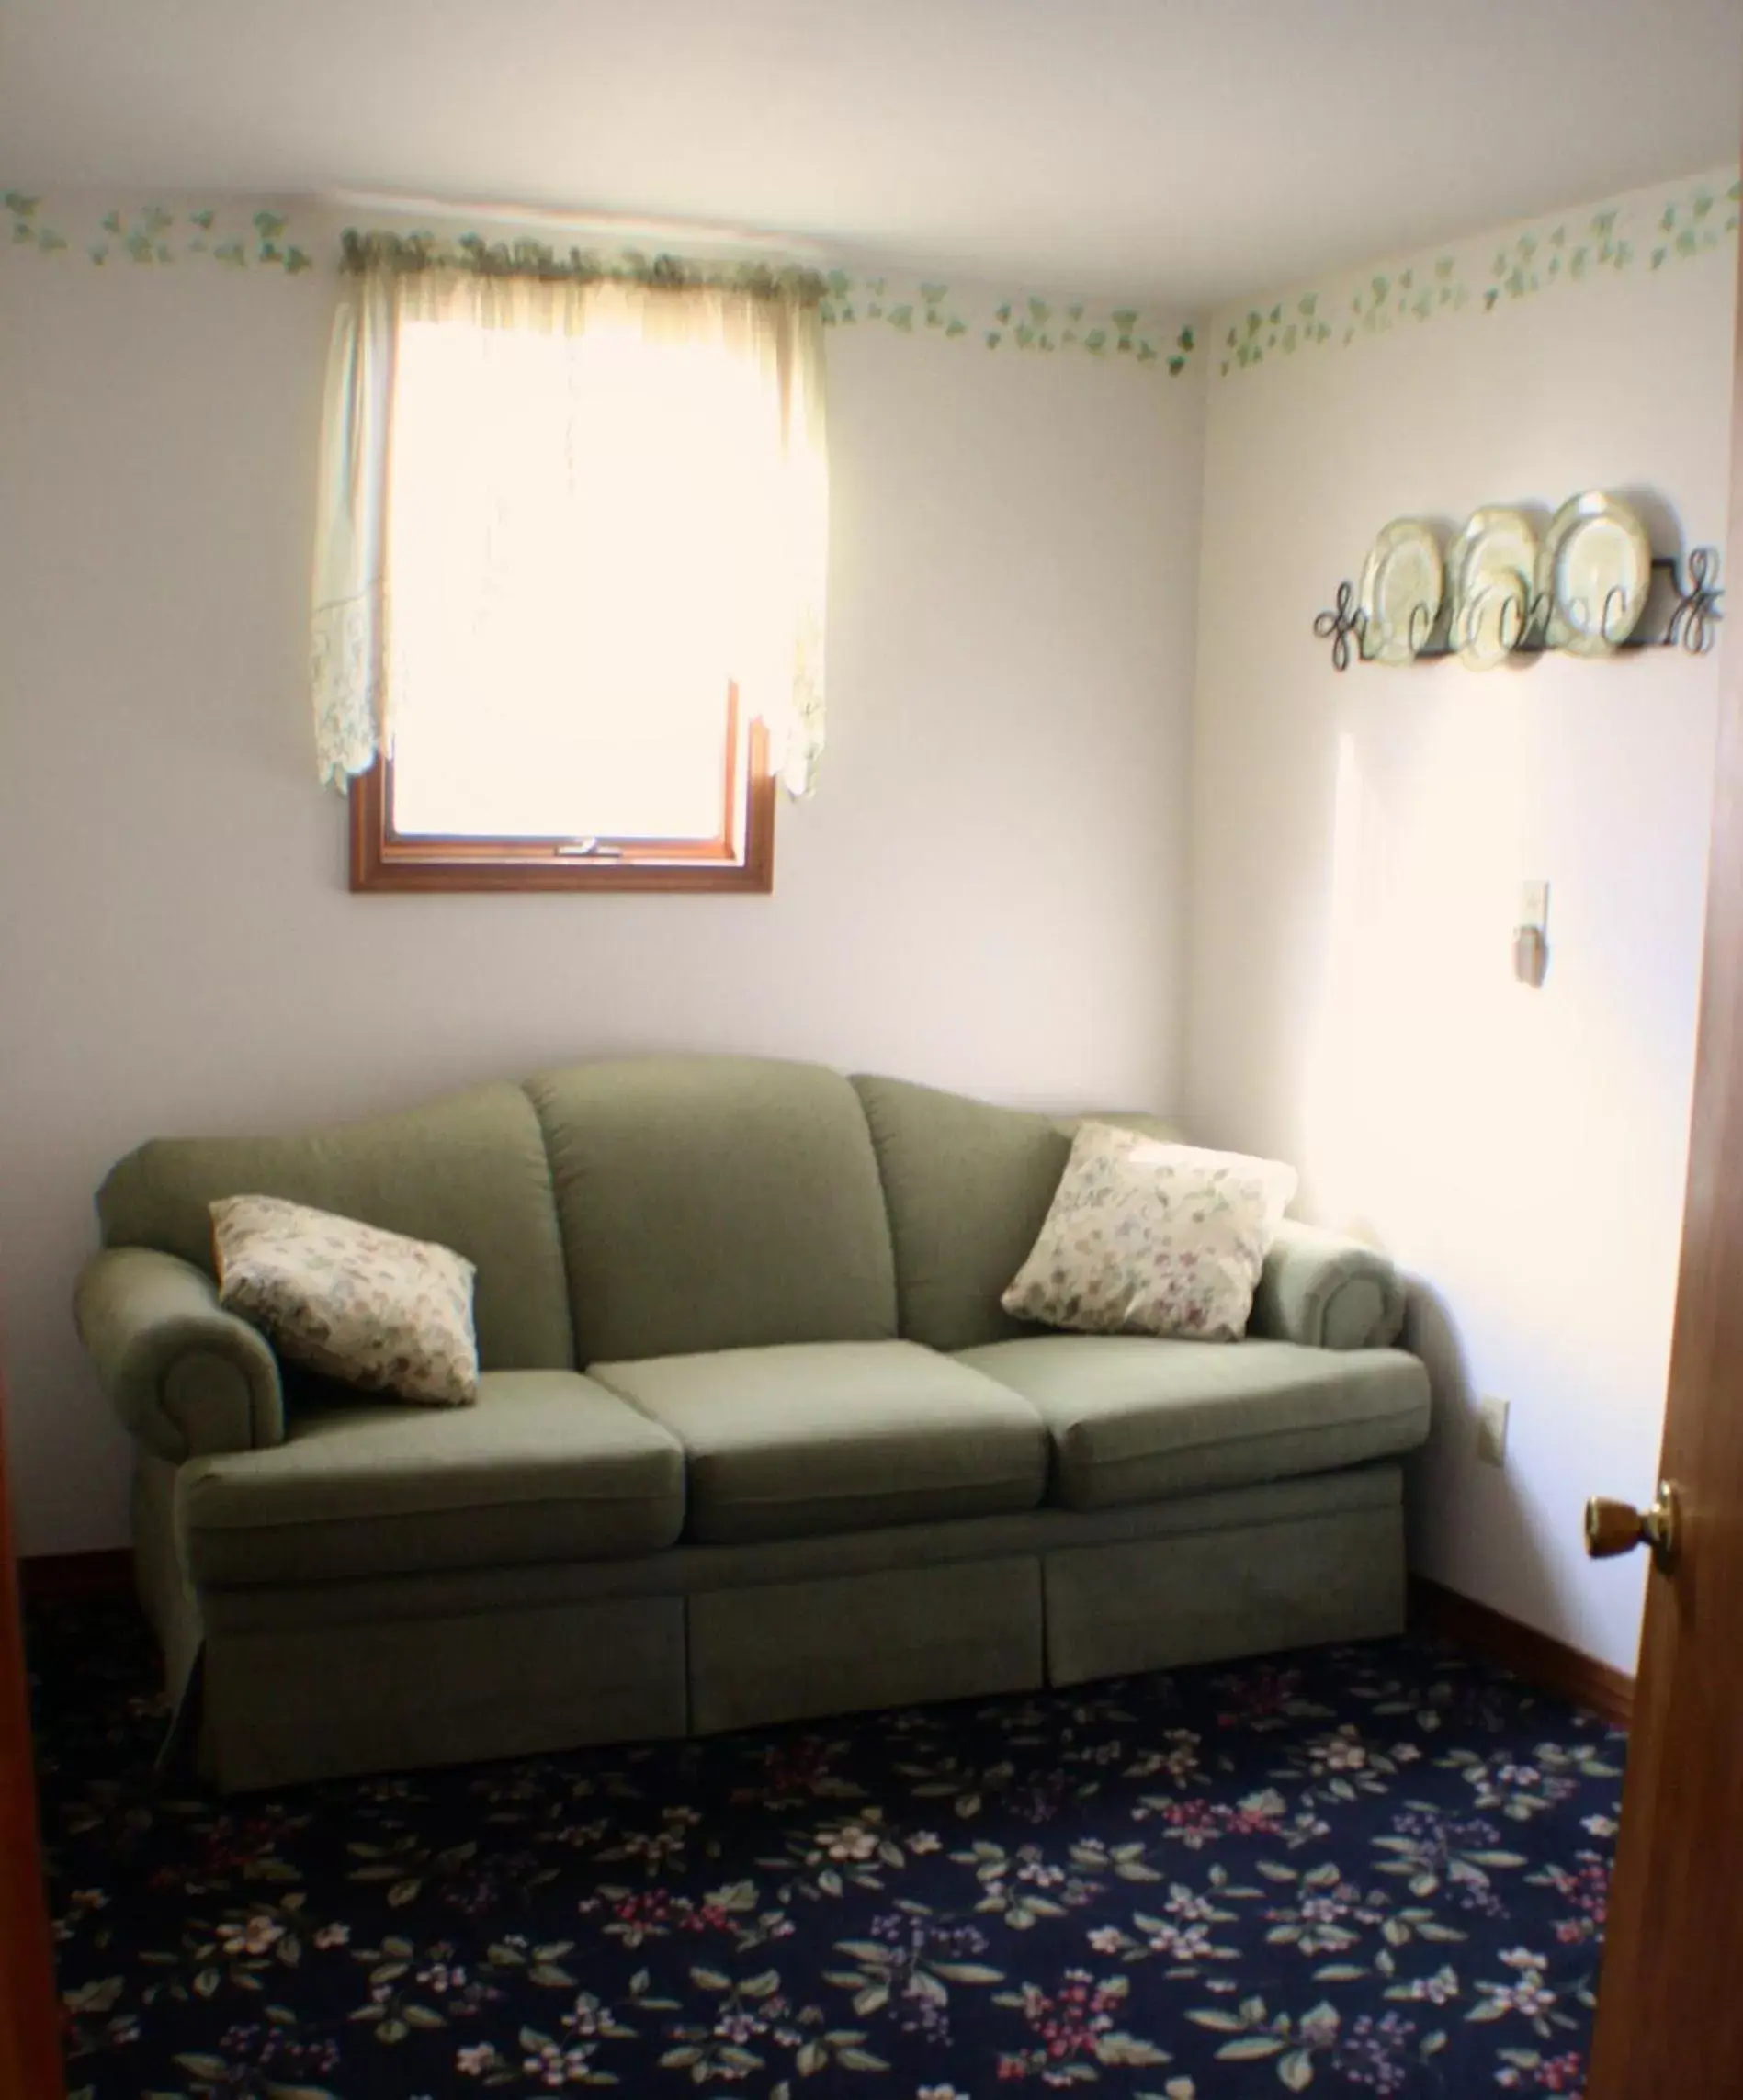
{"points": [[656, 433]]}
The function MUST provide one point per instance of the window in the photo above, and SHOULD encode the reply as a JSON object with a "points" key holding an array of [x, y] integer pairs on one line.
{"points": [[587, 635]]}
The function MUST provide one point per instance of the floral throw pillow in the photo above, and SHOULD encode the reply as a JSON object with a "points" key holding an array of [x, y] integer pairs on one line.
{"points": [[1152, 1238], [378, 1310]]}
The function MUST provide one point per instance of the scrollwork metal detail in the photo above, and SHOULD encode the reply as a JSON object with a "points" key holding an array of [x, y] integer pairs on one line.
{"points": [[1339, 622], [1527, 625], [1697, 612]]}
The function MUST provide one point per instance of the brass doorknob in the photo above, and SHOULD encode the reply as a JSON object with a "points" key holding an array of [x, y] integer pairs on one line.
{"points": [[1615, 1528]]}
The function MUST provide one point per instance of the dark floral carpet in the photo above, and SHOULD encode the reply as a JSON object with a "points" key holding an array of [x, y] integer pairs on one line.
{"points": [[1376, 1870]]}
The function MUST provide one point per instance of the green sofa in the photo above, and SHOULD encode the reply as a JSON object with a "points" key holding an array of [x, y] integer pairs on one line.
{"points": [[754, 1439]]}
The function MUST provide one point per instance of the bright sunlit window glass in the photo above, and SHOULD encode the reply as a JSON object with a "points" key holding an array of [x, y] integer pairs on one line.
{"points": [[576, 529]]}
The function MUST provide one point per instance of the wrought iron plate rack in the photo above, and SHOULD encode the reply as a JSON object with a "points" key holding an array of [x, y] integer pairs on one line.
{"points": [[1686, 622]]}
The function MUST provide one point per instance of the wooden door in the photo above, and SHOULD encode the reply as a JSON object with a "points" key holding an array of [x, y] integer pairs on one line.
{"points": [[29, 2046], [1670, 1998]]}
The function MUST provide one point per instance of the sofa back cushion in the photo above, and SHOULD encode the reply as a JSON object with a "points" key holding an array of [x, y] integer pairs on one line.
{"points": [[469, 1173], [968, 1186], [715, 1202]]}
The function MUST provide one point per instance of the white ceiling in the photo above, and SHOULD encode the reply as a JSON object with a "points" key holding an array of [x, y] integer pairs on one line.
{"points": [[1190, 149]]}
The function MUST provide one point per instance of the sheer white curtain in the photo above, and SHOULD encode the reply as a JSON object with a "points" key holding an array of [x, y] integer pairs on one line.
{"points": [[567, 500], [348, 619]]}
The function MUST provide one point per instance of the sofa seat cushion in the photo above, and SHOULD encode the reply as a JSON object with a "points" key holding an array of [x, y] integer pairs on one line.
{"points": [[547, 1466], [824, 1437], [1135, 1419]]}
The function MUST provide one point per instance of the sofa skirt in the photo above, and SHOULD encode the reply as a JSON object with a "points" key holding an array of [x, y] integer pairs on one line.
{"points": [[323, 1680]]}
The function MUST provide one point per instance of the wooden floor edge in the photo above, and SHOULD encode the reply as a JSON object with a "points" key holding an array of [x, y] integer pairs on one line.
{"points": [[63, 1579], [1537, 1657]]}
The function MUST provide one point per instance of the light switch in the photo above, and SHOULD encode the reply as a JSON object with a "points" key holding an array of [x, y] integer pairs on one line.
{"points": [[1531, 935]]}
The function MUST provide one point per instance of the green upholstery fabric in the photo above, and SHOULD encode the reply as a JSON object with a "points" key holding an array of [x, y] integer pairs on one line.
{"points": [[689, 1569], [1135, 1419], [787, 1651], [1327, 1291], [782, 1443], [312, 1703], [172, 1605], [715, 1203], [305, 1680], [185, 1377], [1160, 1604], [967, 1185], [330, 1677], [548, 1465], [469, 1172]]}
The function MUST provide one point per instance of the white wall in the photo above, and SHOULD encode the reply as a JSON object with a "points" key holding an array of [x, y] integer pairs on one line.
{"points": [[1359, 843], [987, 892]]}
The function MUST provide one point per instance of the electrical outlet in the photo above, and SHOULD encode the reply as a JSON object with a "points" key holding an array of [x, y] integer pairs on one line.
{"points": [[1534, 905], [1491, 1431]]}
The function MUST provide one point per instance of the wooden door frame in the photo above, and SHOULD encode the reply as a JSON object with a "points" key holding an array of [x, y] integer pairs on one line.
{"points": [[1681, 1752], [29, 2008]]}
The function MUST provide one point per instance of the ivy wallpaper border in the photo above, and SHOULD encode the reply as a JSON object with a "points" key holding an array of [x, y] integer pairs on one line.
{"points": [[1025, 321], [157, 235], [1486, 271], [153, 234], [1645, 231]]}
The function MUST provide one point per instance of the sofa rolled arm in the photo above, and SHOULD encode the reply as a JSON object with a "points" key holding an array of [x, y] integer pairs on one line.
{"points": [[187, 1378], [1327, 1291]]}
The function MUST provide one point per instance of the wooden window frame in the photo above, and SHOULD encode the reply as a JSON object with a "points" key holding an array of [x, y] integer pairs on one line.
{"points": [[385, 859]]}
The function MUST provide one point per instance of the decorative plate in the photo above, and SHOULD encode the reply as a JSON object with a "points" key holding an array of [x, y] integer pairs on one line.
{"points": [[1596, 563], [1400, 592], [1489, 568]]}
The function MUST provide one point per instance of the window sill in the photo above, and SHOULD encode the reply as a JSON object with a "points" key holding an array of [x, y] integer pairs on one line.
{"points": [[384, 859]]}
